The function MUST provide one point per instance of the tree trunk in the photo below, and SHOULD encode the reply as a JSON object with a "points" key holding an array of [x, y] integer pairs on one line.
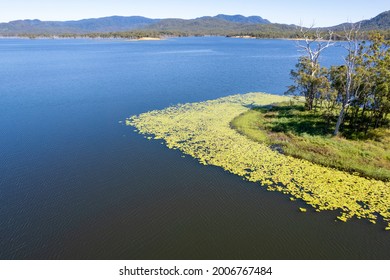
{"points": [[339, 121], [362, 119]]}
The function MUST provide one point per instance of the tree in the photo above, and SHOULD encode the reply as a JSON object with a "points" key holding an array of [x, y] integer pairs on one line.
{"points": [[309, 77], [377, 57], [358, 90], [363, 82], [351, 91]]}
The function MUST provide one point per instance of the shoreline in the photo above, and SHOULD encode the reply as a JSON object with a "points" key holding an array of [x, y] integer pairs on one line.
{"points": [[83, 38], [80, 37], [202, 130], [146, 39], [242, 37]]}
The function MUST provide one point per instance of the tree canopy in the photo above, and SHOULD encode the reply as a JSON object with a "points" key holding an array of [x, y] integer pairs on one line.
{"points": [[355, 96]]}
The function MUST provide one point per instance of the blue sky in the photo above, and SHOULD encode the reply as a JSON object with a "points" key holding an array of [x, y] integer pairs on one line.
{"points": [[322, 13]]}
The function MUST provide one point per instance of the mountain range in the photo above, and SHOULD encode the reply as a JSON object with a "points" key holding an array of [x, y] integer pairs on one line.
{"points": [[380, 22], [220, 24], [105, 24]]}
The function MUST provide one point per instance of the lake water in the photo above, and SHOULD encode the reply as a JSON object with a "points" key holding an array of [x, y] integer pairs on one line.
{"points": [[76, 184]]}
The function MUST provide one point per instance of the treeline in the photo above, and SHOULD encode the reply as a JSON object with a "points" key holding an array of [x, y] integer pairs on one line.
{"points": [[353, 97], [296, 34], [128, 35], [137, 34], [265, 32]]}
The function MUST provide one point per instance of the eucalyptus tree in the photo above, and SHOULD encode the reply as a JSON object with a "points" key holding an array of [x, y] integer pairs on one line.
{"points": [[352, 60], [363, 82], [377, 64], [309, 77]]}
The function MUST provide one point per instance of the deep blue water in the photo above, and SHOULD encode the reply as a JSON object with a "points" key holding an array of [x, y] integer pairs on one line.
{"points": [[76, 184]]}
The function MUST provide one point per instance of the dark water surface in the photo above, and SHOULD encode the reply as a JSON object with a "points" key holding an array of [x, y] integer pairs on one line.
{"points": [[76, 184]]}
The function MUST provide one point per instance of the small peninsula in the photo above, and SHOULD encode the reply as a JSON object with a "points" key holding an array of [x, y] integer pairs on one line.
{"points": [[203, 130]]}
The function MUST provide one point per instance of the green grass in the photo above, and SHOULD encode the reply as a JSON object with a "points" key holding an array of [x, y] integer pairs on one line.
{"points": [[291, 130]]}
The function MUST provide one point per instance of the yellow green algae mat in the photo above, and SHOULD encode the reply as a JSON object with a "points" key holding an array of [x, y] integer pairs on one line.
{"points": [[202, 130]]}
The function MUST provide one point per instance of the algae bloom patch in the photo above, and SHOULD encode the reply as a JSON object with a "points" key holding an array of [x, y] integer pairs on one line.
{"points": [[202, 130]]}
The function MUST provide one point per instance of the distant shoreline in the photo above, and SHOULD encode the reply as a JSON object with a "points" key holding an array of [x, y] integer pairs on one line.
{"points": [[55, 37], [147, 39], [59, 37], [129, 39], [243, 37]]}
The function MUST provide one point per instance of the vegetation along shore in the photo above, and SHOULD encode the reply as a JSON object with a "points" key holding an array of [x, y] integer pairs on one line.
{"points": [[203, 130]]}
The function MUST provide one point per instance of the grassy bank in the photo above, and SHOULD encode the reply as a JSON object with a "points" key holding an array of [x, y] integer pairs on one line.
{"points": [[293, 131]]}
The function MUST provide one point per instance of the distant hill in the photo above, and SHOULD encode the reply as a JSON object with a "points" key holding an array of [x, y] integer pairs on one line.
{"points": [[242, 19], [199, 25], [380, 22], [137, 26], [118, 24], [106, 24]]}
